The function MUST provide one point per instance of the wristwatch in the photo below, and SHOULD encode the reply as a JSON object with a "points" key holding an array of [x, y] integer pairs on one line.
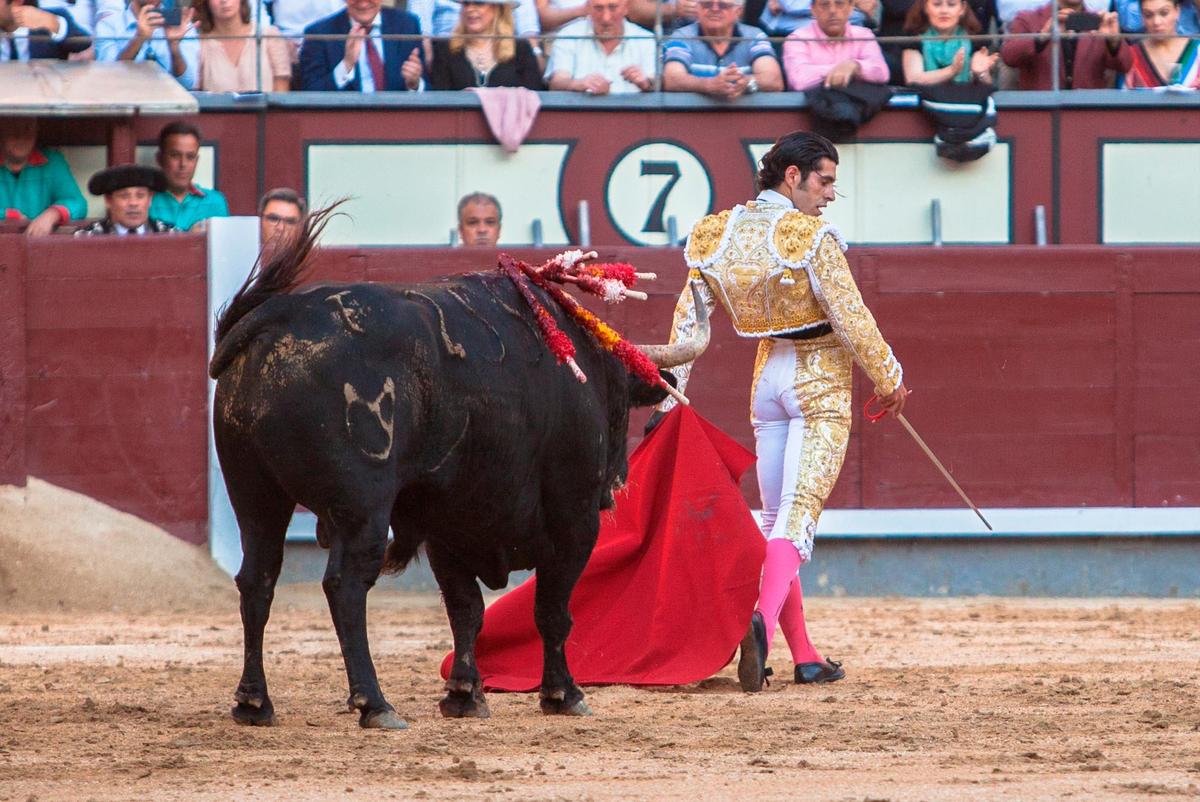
{"points": [[751, 86]]}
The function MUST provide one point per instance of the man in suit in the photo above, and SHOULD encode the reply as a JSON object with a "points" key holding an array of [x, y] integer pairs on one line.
{"points": [[28, 32], [364, 61]]}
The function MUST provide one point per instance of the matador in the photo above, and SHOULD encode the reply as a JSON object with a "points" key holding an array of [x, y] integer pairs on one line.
{"points": [[779, 270]]}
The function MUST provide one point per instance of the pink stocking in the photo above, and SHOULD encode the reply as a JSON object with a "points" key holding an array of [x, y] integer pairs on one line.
{"points": [[779, 571], [792, 621]]}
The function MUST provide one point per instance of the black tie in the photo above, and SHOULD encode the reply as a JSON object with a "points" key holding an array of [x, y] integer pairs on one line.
{"points": [[12, 48]]}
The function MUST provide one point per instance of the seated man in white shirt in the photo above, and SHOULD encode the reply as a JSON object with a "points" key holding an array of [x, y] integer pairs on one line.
{"points": [[28, 32], [603, 53], [138, 34]]}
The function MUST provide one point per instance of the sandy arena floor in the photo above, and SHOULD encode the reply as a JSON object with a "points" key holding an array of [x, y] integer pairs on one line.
{"points": [[945, 700]]}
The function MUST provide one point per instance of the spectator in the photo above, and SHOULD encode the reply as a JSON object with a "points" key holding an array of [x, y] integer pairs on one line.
{"points": [[941, 56], [603, 53], [894, 17], [230, 60], [783, 17], [1166, 61], [35, 185], [183, 204], [83, 12], [1129, 15], [810, 59], [28, 32], [1083, 59], [138, 34], [127, 189], [439, 18], [363, 61], [479, 220], [1007, 10], [733, 59], [482, 51], [280, 213]]}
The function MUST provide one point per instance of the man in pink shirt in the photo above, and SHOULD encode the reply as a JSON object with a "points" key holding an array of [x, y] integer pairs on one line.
{"points": [[831, 52]]}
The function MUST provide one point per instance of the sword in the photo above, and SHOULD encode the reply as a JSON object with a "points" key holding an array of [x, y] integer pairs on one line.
{"points": [[873, 417]]}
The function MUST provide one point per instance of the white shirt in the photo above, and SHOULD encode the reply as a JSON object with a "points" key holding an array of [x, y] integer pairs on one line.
{"points": [[84, 12], [581, 57], [21, 37], [438, 17], [293, 16], [771, 196], [122, 231]]}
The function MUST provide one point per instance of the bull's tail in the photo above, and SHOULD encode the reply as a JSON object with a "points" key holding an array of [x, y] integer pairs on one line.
{"points": [[400, 552], [281, 273]]}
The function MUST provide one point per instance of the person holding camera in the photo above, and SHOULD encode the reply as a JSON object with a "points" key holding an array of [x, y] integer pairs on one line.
{"points": [[152, 30], [1091, 44]]}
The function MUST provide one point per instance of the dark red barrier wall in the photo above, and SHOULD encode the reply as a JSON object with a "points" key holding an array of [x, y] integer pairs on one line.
{"points": [[114, 354], [1043, 377]]}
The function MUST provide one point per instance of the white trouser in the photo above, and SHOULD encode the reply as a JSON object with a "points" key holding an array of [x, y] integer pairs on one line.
{"points": [[800, 408]]}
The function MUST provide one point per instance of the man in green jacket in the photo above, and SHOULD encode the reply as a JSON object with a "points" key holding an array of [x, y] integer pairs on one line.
{"points": [[184, 204], [36, 185]]}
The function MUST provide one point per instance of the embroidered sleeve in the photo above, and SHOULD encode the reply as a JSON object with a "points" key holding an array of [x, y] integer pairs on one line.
{"points": [[683, 326], [851, 320]]}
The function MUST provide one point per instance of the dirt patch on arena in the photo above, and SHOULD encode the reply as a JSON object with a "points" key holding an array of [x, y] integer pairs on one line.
{"points": [[61, 550], [945, 700]]}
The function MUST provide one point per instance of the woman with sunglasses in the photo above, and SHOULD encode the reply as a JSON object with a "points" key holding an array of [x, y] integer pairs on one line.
{"points": [[482, 51]]}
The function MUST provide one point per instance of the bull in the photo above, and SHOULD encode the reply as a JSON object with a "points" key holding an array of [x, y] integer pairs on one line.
{"points": [[435, 410]]}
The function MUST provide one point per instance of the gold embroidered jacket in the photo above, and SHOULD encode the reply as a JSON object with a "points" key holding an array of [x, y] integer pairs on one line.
{"points": [[778, 271]]}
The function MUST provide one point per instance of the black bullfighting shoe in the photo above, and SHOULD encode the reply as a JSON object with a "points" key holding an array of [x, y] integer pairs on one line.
{"points": [[816, 673], [752, 665]]}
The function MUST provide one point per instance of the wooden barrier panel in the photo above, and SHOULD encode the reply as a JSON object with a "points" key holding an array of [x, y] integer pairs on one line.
{"points": [[1043, 377]]}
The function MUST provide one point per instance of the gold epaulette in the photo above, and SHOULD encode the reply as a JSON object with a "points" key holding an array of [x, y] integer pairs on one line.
{"points": [[705, 237], [794, 235]]}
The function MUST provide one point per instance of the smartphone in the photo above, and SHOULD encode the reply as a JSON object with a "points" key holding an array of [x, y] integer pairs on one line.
{"points": [[172, 11], [1082, 21]]}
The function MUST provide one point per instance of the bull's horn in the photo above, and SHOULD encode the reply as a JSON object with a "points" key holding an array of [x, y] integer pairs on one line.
{"points": [[680, 353]]}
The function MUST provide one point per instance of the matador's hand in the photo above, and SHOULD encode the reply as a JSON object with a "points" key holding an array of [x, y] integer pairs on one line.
{"points": [[893, 402]]}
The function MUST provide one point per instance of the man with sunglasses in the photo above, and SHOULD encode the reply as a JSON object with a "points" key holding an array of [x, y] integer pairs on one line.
{"points": [[719, 56], [603, 53], [780, 272]]}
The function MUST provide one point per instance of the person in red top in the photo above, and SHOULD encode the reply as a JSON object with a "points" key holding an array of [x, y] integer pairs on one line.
{"points": [[1091, 44]]}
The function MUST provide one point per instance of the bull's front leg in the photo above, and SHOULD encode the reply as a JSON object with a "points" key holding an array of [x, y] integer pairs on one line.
{"points": [[559, 694], [464, 607], [355, 557]]}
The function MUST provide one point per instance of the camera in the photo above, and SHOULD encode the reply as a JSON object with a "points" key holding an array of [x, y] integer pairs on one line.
{"points": [[172, 11], [1082, 22]]}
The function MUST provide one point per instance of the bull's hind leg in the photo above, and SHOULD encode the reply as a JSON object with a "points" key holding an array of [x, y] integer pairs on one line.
{"points": [[559, 694], [355, 557], [464, 607], [263, 511]]}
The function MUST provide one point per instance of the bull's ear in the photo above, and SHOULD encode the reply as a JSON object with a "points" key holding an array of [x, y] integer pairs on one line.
{"points": [[643, 395]]}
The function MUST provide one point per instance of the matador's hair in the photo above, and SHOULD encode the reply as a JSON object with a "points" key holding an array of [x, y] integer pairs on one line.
{"points": [[803, 149]]}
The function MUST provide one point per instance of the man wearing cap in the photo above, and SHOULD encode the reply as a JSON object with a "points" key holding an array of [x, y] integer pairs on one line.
{"points": [[184, 204], [35, 185], [127, 189]]}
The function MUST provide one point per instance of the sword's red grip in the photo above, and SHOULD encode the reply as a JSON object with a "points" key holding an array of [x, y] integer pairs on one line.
{"points": [[873, 417]]}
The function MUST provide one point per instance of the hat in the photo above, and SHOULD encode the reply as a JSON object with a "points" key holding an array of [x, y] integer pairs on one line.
{"points": [[121, 176], [509, 3]]}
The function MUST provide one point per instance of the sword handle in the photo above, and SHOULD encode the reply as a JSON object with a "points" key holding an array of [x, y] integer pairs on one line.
{"points": [[873, 417]]}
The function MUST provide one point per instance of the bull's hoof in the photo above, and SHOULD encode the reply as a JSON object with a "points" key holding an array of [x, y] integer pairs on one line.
{"points": [[251, 715], [558, 707], [382, 720], [464, 705]]}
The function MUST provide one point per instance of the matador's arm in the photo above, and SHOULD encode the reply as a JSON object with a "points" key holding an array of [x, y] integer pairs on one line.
{"points": [[853, 323], [683, 327]]}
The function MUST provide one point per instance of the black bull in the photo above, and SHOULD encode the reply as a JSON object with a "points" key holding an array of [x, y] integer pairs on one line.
{"points": [[436, 410]]}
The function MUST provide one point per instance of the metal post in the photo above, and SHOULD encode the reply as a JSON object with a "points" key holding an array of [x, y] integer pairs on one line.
{"points": [[536, 227], [935, 219], [1039, 224], [453, 237], [1055, 47], [672, 231], [585, 225]]}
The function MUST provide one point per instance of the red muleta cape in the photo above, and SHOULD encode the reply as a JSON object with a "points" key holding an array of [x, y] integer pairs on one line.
{"points": [[671, 584]]}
